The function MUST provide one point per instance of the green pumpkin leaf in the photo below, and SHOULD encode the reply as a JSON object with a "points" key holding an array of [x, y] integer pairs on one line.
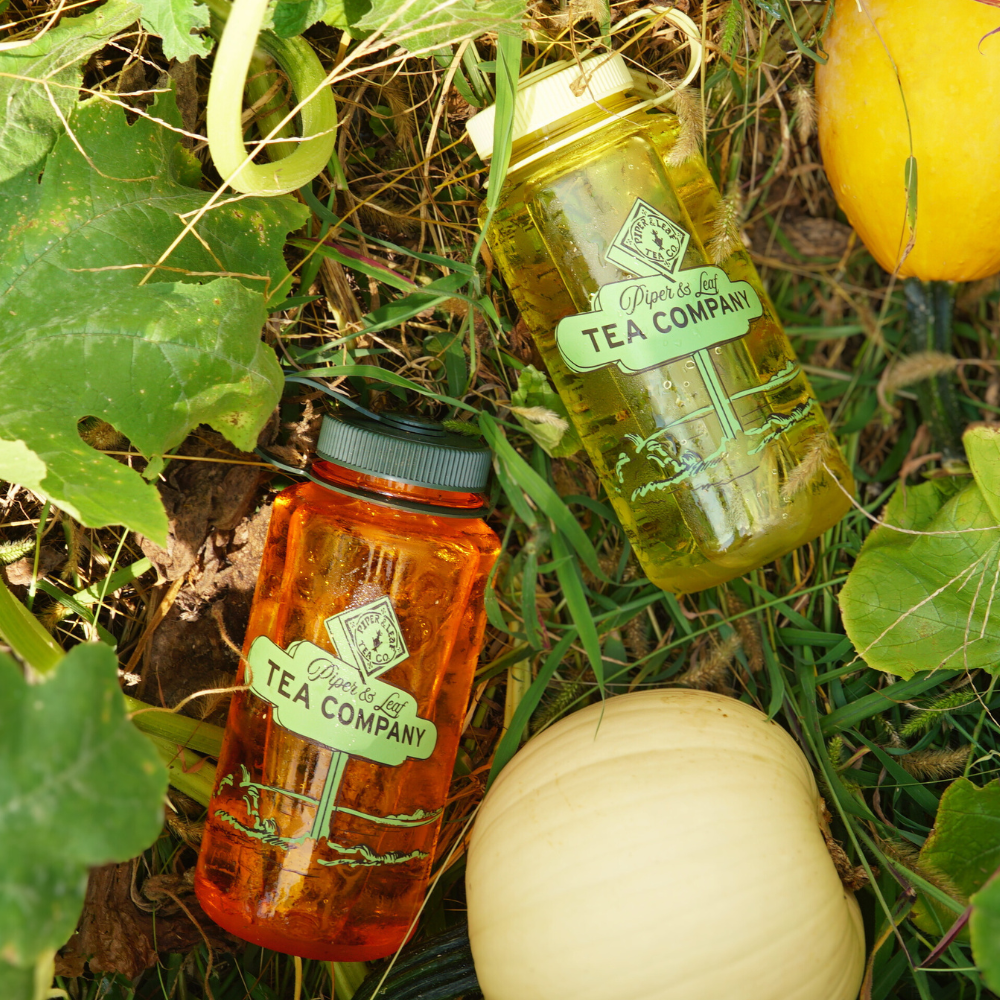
{"points": [[83, 337], [982, 445], [292, 17], [40, 82], [28, 983], [79, 786], [174, 21], [288, 18], [964, 846], [543, 415], [984, 930], [425, 25], [922, 601], [345, 14]]}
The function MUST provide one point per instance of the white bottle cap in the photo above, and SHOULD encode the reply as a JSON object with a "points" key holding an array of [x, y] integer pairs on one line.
{"points": [[552, 93]]}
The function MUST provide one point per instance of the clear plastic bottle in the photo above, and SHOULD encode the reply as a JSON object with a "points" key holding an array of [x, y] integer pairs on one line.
{"points": [[676, 372], [363, 639]]}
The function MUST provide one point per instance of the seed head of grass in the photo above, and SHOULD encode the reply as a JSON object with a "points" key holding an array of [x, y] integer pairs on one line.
{"points": [[725, 238], [932, 765], [804, 102], [917, 368], [691, 117], [731, 34]]}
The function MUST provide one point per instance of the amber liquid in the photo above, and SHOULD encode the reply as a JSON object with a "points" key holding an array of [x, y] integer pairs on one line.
{"points": [[691, 526], [353, 894]]}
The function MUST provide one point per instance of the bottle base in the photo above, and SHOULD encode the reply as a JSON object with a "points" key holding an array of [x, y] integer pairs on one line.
{"points": [[702, 576], [273, 940]]}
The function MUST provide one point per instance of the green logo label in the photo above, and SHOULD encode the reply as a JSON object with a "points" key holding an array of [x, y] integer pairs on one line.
{"points": [[369, 637], [643, 323], [648, 242], [339, 702], [661, 315]]}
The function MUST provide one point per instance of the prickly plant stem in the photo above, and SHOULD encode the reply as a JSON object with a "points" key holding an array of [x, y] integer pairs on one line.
{"points": [[929, 305], [238, 40]]}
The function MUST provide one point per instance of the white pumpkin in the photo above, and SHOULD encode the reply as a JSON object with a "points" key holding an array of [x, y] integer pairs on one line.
{"points": [[666, 845]]}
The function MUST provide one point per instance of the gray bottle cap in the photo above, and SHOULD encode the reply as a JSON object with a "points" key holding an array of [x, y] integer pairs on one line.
{"points": [[406, 448]]}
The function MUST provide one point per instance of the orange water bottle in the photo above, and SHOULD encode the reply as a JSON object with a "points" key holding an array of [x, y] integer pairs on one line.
{"points": [[365, 629]]}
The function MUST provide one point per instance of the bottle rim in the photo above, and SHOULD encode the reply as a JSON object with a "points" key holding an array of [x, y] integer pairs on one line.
{"points": [[413, 498]]}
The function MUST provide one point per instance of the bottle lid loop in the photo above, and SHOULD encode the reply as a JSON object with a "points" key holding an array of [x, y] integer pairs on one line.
{"points": [[557, 90]]}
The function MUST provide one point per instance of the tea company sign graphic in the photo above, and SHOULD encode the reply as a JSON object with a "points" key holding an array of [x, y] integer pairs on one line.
{"points": [[648, 239], [663, 314], [369, 636], [339, 702]]}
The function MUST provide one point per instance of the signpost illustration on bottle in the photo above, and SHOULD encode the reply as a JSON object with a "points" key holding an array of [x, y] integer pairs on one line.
{"points": [[340, 702], [664, 314]]}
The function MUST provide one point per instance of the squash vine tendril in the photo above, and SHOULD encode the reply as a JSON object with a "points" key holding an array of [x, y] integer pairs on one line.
{"points": [[239, 39]]}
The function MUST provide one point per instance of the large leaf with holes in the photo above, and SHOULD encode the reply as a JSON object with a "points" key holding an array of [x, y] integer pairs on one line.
{"points": [[79, 786], [40, 82], [90, 329], [929, 596]]}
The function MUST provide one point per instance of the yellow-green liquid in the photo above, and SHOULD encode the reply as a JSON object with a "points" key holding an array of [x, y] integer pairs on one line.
{"points": [[697, 507]]}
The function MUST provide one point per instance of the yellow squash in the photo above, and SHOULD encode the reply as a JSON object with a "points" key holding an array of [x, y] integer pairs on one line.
{"points": [[951, 85]]}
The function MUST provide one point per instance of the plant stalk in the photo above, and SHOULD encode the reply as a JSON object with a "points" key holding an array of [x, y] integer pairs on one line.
{"points": [[187, 772], [171, 734], [929, 305], [261, 78], [25, 635], [204, 737], [347, 977]]}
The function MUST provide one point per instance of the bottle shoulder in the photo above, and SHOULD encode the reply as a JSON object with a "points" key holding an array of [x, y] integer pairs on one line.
{"points": [[659, 129], [355, 516]]}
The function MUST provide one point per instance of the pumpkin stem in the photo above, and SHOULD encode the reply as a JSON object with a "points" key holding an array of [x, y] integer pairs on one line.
{"points": [[929, 305]]}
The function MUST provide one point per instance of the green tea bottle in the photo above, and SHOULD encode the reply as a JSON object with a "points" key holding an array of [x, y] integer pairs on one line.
{"points": [[676, 372]]}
